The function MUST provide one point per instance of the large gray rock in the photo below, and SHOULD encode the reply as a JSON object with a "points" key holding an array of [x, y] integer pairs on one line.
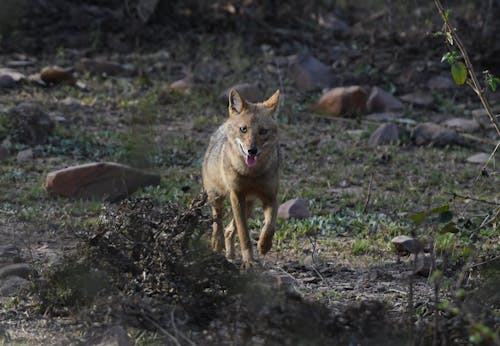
{"points": [[462, 124], [98, 180], [433, 134], [383, 101], [296, 208], [385, 134], [11, 285], [419, 98], [440, 83], [309, 73], [22, 270]]}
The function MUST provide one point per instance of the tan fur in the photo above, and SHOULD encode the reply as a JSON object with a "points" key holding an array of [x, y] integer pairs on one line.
{"points": [[231, 170]]}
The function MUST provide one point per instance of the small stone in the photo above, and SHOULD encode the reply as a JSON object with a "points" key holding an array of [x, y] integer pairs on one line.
{"points": [[6, 82], [309, 73], [479, 158], [183, 84], [405, 244], [433, 134], [343, 101], [482, 118], [11, 285], [309, 260], [24, 156], [384, 134], [4, 153], [462, 124], [57, 75], [418, 98], [104, 67], [13, 74], [440, 83], [249, 92], [16, 269], [382, 101], [383, 117], [334, 24], [424, 264], [295, 208], [99, 180]]}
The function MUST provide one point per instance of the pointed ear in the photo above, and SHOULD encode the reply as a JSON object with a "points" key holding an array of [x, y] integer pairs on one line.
{"points": [[273, 102], [236, 103]]}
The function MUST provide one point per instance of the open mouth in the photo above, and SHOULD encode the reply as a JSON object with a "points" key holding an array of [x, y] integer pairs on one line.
{"points": [[250, 160]]}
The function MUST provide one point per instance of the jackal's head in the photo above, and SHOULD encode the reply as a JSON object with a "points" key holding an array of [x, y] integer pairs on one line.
{"points": [[252, 127]]}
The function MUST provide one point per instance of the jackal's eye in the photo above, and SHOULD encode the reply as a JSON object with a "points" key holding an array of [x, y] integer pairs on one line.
{"points": [[263, 132], [243, 129]]}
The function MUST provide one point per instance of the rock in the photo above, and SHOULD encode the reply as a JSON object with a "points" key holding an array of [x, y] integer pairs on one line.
{"points": [[295, 208], [334, 24], [57, 75], [309, 73], [24, 156], [343, 101], [29, 124], [418, 98], [250, 92], [382, 117], [105, 68], [424, 264], [382, 101], [405, 244], [6, 82], [479, 158], [4, 153], [99, 180], [11, 285], [405, 121], [13, 74], [384, 134], [183, 84], [440, 83], [462, 124], [482, 118], [433, 134], [22, 270], [8, 252], [113, 336]]}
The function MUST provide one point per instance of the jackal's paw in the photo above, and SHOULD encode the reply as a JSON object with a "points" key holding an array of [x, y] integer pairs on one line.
{"points": [[249, 264], [264, 245]]}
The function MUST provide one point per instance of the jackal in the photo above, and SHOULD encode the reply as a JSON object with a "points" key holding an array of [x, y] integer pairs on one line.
{"points": [[242, 163]]}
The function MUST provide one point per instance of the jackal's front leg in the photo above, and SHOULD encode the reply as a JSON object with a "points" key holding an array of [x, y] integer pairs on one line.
{"points": [[238, 204], [217, 228], [266, 236]]}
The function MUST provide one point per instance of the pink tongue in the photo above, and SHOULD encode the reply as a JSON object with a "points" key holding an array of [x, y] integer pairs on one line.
{"points": [[251, 160]]}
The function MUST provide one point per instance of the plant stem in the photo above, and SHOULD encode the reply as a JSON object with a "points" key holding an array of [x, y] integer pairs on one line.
{"points": [[475, 82]]}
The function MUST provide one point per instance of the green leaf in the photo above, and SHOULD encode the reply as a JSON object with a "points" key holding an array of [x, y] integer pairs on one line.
{"points": [[459, 72], [418, 218], [446, 57], [450, 227], [441, 209]]}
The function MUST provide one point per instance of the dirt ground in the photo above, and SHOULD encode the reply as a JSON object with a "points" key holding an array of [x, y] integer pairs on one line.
{"points": [[140, 271]]}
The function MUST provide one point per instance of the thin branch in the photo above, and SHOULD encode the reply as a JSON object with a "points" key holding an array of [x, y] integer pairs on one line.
{"points": [[454, 195], [475, 83]]}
